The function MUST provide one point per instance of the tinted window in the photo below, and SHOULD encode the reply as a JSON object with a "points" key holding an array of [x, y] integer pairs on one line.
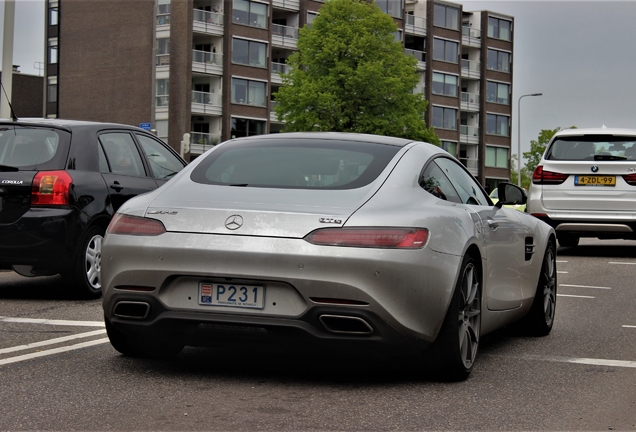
{"points": [[33, 148], [163, 163], [306, 164], [468, 189], [436, 183], [123, 156], [593, 147]]}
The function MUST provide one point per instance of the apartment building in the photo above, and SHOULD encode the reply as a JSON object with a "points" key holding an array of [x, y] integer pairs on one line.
{"points": [[26, 94], [210, 67]]}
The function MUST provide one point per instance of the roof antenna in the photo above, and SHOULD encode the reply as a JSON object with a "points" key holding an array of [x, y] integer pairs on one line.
{"points": [[13, 116], [603, 127]]}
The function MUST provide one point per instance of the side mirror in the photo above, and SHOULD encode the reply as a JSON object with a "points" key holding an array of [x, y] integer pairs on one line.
{"points": [[510, 194]]}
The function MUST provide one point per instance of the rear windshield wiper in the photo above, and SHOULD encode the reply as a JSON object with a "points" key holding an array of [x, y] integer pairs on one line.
{"points": [[240, 185], [608, 157], [8, 168]]}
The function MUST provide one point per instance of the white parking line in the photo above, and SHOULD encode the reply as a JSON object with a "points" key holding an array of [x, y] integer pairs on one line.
{"points": [[625, 263], [629, 326], [52, 351], [562, 272], [53, 322], [577, 296], [584, 286], [587, 361], [51, 341], [559, 261]]}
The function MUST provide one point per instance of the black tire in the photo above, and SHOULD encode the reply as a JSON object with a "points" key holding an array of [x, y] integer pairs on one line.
{"points": [[568, 240], [451, 357], [134, 346], [540, 318], [85, 276]]}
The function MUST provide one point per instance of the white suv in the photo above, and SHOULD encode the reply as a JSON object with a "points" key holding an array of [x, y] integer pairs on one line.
{"points": [[585, 185]]}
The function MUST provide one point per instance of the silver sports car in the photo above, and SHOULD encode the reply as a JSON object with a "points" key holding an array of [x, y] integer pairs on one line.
{"points": [[355, 241]]}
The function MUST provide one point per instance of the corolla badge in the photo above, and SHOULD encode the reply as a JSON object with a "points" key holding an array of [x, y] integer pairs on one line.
{"points": [[234, 222], [15, 182], [594, 168]]}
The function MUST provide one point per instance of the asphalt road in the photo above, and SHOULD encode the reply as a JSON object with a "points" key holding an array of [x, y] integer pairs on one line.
{"points": [[581, 377]]}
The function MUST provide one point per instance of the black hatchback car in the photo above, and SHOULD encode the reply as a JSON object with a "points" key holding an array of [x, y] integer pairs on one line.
{"points": [[61, 182]]}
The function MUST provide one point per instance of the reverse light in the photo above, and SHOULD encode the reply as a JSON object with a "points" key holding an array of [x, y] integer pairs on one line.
{"points": [[392, 238], [630, 179], [51, 188], [135, 225], [540, 176]]}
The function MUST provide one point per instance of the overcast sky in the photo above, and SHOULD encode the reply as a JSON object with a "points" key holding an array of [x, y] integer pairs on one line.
{"points": [[580, 54]]}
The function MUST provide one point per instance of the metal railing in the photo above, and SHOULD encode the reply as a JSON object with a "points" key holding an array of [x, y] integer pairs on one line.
{"points": [[287, 4], [207, 57], [472, 131], [471, 35], [284, 31], [420, 88], [470, 163], [470, 68], [206, 17], [470, 98], [280, 68], [163, 60], [163, 19], [206, 98], [162, 101], [415, 24], [419, 55], [205, 139]]}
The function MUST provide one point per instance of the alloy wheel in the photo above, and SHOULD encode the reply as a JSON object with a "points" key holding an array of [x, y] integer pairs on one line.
{"points": [[93, 262], [549, 287], [469, 316]]}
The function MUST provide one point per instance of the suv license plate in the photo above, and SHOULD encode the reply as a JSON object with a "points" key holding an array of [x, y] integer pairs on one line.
{"points": [[595, 180], [244, 296]]}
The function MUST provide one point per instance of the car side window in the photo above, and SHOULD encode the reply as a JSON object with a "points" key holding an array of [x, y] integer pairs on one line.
{"points": [[103, 163], [436, 183], [163, 163], [122, 154], [468, 189]]}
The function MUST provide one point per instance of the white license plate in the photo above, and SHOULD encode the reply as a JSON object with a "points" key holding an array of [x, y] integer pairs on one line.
{"points": [[236, 295]]}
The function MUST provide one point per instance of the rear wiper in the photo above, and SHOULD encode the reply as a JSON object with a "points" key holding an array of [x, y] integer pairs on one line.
{"points": [[8, 168], [240, 185], [609, 157]]}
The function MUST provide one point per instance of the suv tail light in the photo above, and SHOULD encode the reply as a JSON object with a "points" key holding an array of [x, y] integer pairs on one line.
{"points": [[135, 225], [391, 238], [630, 179], [51, 188], [539, 176]]}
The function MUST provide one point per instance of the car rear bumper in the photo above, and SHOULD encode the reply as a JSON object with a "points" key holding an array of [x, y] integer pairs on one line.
{"points": [[591, 225], [42, 238]]}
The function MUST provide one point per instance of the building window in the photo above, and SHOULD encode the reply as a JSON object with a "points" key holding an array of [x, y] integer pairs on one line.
{"points": [[450, 147], [498, 92], [499, 28], [498, 60], [249, 53], [247, 127], [162, 129], [311, 16], [163, 52], [162, 92], [51, 89], [444, 118], [446, 16], [497, 157], [249, 92], [53, 16], [163, 12], [444, 84], [445, 50], [52, 50], [497, 124], [391, 7], [249, 13]]}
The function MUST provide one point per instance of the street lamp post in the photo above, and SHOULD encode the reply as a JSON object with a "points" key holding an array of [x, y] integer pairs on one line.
{"points": [[519, 134]]}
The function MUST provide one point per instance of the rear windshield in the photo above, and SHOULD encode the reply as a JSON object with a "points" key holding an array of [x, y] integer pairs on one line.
{"points": [[33, 148], [301, 164], [593, 147]]}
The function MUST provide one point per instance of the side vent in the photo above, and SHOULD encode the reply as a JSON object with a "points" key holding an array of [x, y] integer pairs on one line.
{"points": [[530, 248]]}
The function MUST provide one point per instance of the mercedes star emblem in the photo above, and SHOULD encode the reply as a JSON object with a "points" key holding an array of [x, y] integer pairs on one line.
{"points": [[594, 168], [234, 222]]}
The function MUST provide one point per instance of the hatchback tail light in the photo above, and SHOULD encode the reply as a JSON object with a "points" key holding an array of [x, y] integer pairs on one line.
{"points": [[540, 176], [630, 179], [51, 188], [391, 238], [134, 225]]}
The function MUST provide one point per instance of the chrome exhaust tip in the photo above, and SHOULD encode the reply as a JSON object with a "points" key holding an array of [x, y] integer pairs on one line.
{"points": [[342, 324], [131, 310]]}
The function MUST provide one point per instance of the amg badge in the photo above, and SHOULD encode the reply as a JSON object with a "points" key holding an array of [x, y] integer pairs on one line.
{"points": [[330, 220]]}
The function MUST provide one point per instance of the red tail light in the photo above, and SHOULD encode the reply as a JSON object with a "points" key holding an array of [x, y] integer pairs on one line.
{"points": [[134, 225], [539, 176], [630, 179], [393, 238], [51, 188]]}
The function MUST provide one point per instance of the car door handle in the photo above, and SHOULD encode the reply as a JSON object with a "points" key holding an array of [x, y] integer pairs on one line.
{"points": [[116, 186], [493, 224]]}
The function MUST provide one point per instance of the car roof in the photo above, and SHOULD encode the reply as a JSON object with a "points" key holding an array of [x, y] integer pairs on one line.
{"points": [[65, 123], [596, 131], [336, 136]]}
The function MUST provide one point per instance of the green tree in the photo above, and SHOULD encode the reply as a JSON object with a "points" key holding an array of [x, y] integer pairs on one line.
{"points": [[537, 147], [350, 75], [526, 175]]}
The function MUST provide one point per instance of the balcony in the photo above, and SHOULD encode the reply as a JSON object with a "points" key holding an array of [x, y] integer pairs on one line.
{"points": [[207, 22], [163, 19], [415, 25], [284, 36], [162, 101], [163, 60], [206, 103], [277, 69], [470, 101], [201, 142], [471, 69], [469, 134], [293, 5], [420, 88], [471, 36], [471, 164], [207, 62], [420, 56], [272, 114]]}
